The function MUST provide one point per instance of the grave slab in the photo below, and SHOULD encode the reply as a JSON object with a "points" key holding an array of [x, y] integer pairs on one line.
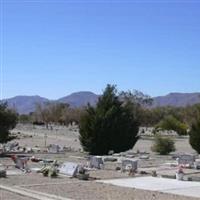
{"points": [[184, 188]]}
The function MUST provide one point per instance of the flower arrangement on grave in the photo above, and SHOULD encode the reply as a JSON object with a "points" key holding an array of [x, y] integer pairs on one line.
{"points": [[180, 170], [180, 173]]}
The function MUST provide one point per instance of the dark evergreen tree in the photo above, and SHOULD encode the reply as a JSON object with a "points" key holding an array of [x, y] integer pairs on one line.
{"points": [[8, 120], [195, 136], [110, 125]]}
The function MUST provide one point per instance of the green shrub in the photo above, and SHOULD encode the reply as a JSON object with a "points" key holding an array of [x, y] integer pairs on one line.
{"points": [[171, 123], [108, 126], [163, 145], [195, 136]]}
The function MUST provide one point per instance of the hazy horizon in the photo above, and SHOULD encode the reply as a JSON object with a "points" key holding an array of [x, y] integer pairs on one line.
{"points": [[54, 48]]}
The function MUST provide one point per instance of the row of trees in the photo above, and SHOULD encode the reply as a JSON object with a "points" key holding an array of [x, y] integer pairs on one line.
{"points": [[162, 118], [187, 115], [56, 113]]}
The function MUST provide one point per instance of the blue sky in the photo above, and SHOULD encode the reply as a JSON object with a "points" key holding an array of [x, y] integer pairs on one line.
{"points": [[54, 47]]}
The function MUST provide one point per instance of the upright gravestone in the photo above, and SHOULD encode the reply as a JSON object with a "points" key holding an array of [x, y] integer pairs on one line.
{"points": [[96, 162], [186, 159], [69, 169], [53, 148], [129, 165], [2, 173], [197, 164]]}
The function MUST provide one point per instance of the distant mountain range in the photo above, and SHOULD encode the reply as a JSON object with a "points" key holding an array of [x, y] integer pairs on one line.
{"points": [[177, 99], [26, 104]]}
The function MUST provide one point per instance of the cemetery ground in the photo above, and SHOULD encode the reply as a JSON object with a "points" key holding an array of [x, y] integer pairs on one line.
{"points": [[105, 183]]}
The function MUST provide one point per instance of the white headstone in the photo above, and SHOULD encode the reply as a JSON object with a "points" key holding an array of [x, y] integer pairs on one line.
{"points": [[127, 164], [186, 159], [69, 168]]}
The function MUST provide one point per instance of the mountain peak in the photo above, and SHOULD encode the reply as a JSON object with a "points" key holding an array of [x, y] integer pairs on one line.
{"points": [[79, 99]]}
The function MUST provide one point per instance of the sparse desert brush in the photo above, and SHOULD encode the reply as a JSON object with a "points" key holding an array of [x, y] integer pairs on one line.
{"points": [[163, 145]]}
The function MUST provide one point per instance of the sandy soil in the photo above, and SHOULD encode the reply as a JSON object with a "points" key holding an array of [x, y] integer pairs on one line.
{"points": [[5, 195], [72, 187], [81, 190], [68, 136]]}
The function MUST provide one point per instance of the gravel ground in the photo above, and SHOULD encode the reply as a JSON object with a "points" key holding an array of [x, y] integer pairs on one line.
{"points": [[5, 195], [74, 188], [98, 191], [68, 136], [79, 190]]}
